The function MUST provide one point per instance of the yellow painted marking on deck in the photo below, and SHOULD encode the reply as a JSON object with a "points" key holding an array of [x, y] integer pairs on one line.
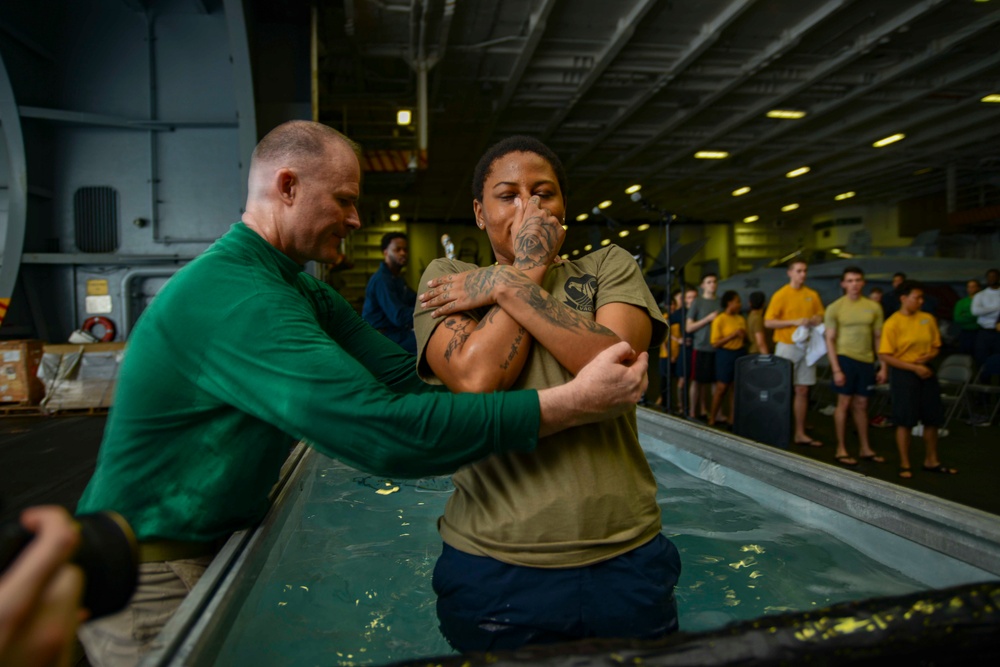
{"points": [[385, 492]]}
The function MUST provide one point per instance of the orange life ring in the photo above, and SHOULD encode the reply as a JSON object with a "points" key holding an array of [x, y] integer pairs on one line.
{"points": [[109, 327]]}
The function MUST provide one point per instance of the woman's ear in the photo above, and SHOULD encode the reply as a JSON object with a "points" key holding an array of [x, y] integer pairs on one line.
{"points": [[477, 208]]}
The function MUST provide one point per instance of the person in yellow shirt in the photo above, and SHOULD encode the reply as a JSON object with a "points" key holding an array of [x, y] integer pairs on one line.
{"points": [[792, 306], [910, 340], [729, 337]]}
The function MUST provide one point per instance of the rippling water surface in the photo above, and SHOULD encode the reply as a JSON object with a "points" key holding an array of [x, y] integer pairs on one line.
{"points": [[348, 582]]}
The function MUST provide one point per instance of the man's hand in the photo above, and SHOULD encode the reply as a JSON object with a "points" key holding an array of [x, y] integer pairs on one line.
{"points": [[537, 237], [40, 593], [611, 384], [882, 375], [839, 378], [459, 292], [923, 372]]}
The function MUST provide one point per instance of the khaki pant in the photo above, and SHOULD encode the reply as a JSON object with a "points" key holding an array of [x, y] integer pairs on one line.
{"points": [[121, 640]]}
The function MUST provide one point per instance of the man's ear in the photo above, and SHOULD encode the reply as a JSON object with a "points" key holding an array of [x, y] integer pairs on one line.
{"points": [[286, 185]]}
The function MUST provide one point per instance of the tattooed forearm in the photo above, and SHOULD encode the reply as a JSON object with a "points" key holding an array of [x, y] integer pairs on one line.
{"points": [[459, 334], [534, 244], [558, 314], [514, 347], [489, 317]]}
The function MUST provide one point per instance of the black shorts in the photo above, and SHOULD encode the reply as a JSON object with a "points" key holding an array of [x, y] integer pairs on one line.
{"points": [[915, 400], [859, 377], [725, 364], [704, 366]]}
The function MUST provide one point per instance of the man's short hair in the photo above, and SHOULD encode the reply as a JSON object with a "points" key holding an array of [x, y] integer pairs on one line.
{"points": [[390, 237], [298, 140], [899, 274], [996, 271], [798, 260], [518, 143], [709, 275], [852, 269], [908, 286], [876, 290]]}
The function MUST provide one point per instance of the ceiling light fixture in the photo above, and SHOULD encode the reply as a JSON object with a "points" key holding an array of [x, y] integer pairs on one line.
{"points": [[633, 188], [785, 114], [623, 233], [751, 218], [899, 136], [643, 227], [565, 226], [565, 256], [797, 172], [404, 117], [394, 217], [738, 192], [576, 252], [582, 217], [789, 207], [992, 99], [588, 248], [711, 155], [605, 241], [393, 203], [844, 195], [604, 204]]}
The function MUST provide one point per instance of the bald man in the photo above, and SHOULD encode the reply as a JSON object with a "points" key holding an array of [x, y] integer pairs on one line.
{"points": [[242, 354]]}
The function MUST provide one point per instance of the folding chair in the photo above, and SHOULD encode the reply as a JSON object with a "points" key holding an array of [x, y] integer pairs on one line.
{"points": [[985, 386], [954, 378]]}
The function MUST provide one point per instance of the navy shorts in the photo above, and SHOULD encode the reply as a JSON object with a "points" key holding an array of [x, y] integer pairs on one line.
{"points": [[685, 363], [859, 377], [915, 400], [704, 366], [725, 364], [486, 605]]}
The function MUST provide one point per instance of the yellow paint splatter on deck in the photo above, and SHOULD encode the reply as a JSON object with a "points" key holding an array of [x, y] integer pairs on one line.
{"points": [[385, 492], [757, 549]]}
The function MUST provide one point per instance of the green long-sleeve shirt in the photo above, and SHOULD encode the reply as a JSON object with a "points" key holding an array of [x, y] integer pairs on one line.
{"points": [[240, 355]]}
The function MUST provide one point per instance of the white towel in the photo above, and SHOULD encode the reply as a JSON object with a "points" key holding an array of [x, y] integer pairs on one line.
{"points": [[812, 340]]}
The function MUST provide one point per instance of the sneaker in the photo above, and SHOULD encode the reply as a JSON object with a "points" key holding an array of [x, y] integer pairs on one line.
{"points": [[881, 421]]}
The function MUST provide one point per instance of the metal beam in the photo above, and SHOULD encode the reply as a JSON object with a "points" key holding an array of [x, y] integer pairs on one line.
{"points": [[788, 40], [623, 33], [861, 46], [17, 191], [710, 33]]}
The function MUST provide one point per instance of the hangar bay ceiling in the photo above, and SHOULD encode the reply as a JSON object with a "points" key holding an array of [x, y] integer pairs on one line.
{"points": [[629, 91]]}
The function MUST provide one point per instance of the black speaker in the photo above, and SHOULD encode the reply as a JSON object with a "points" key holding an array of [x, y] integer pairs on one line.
{"points": [[764, 396]]}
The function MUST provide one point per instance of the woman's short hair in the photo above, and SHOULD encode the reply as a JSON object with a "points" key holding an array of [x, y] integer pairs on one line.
{"points": [[518, 143], [728, 296]]}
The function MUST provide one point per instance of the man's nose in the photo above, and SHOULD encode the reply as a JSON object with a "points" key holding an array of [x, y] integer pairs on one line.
{"points": [[353, 220]]}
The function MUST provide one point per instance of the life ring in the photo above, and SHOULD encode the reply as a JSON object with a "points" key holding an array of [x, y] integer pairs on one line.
{"points": [[109, 327]]}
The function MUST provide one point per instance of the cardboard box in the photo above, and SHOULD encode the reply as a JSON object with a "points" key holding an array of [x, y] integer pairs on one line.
{"points": [[80, 376], [19, 383]]}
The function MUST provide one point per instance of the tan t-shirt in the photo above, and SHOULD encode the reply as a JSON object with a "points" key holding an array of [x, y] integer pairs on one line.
{"points": [[855, 323], [586, 494]]}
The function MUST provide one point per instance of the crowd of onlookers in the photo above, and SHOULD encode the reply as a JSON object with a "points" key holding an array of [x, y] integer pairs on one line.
{"points": [[863, 341]]}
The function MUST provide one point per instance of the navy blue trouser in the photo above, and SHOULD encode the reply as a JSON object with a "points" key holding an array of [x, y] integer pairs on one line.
{"points": [[484, 604]]}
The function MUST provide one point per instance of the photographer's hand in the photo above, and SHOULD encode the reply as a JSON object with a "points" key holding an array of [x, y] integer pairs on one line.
{"points": [[40, 593]]}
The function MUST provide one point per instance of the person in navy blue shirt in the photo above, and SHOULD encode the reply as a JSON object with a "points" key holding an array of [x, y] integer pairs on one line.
{"points": [[389, 300]]}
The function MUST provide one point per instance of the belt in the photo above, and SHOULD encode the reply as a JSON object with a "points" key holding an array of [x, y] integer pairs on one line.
{"points": [[162, 550]]}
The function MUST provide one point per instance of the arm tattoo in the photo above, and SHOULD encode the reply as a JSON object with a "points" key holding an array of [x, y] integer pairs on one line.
{"points": [[459, 335], [489, 317], [514, 347], [533, 243], [558, 314]]}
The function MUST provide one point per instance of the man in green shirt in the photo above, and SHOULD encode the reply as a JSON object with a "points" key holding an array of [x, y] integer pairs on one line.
{"points": [[242, 354], [967, 323]]}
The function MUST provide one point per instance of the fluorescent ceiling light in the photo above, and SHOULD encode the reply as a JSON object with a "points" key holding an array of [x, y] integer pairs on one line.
{"points": [[711, 155], [605, 241], [623, 233], [604, 204], [993, 99], [751, 218], [404, 117], [797, 172], [741, 191], [588, 248], [393, 203], [582, 217], [899, 136], [394, 217], [785, 114], [789, 207], [576, 252], [844, 195], [633, 188], [565, 256], [643, 227]]}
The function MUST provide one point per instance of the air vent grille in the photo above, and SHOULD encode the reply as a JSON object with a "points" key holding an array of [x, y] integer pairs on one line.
{"points": [[95, 219]]}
